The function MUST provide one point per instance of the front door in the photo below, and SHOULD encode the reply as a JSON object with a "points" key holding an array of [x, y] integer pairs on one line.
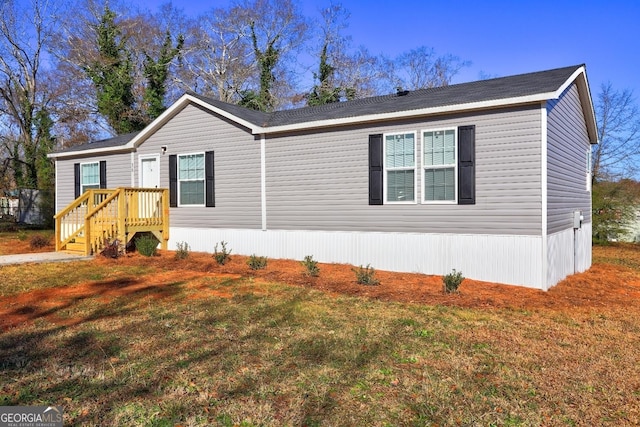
{"points": [[150, 172], [149, 203]]}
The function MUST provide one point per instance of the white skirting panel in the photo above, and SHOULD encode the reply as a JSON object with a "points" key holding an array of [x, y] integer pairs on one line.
{"points": [[569, 252], [515, 260]]}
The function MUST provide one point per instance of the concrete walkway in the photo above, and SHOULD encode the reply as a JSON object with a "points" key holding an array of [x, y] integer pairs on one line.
{"points": [[40, 258]]}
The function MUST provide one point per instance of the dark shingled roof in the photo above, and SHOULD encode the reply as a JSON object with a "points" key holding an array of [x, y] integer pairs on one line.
{"points": [[116, 141], [478, 91], [517, 86]]}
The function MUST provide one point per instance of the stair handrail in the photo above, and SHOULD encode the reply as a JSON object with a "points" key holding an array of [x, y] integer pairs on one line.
{"points": [[105, 202], [88, 198], [89, 244], [84, 198]]}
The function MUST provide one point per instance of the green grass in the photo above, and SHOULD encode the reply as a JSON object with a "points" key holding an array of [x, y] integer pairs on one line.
{"points": [[278, 355]]}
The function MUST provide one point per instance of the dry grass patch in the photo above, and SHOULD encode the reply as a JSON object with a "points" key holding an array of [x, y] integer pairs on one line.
{"points": [[26, 241]]}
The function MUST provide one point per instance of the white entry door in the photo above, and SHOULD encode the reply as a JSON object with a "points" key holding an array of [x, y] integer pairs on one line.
{"points": [[149, 203], [149, 172]]}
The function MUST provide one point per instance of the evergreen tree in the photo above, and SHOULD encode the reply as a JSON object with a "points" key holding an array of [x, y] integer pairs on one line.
{"points": [[267, 60], [112, 75], [324, 93], [156, 72]]}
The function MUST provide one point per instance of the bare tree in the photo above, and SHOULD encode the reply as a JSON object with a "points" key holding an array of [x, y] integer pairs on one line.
{"points": [[361, 73], [618, 151], [276, 29], [344, 72], [25, 96], [218, 59], [422, 68]]}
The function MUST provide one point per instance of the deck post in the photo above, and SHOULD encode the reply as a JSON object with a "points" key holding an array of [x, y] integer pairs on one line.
{"points": [[122, 214], [165, 219]]}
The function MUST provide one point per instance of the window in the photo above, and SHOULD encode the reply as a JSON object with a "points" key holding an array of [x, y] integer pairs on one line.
{"points": [[89, 176], [400, 163], [439, 163], [191, 179], [447, 166]]}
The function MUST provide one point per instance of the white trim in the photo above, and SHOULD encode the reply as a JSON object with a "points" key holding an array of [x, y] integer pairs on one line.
{"points": [[386, 169], [492, 258], [85, 153], [204, 179], [147, 157], [263, 181], [544, 191], [423, 168], [56, 193]]}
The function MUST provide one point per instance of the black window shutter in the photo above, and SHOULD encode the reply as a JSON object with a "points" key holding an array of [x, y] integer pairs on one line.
{"points": [[76, 179], [103, 174], [209, 188], [467, 165], [173, 180], [375, 170]]}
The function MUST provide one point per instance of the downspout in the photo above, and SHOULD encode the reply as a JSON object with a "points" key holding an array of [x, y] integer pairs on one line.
{"points": [[543, 193], [263, 181]]}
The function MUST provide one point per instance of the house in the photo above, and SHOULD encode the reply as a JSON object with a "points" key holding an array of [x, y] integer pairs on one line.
{"points": [[490, 178]]}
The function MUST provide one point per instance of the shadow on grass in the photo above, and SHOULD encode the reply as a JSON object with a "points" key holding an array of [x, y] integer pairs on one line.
{"points": [[48, 303]]}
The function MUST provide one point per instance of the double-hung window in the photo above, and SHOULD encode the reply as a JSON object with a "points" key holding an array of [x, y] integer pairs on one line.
{"points": [[89, 176], [191, 179], [439, 165], [400, 167]]}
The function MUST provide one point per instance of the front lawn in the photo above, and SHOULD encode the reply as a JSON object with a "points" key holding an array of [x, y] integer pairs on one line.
{"points": [[141, 341]]}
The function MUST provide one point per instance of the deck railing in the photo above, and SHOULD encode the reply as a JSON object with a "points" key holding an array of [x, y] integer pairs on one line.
{"points": [[100, 216]]}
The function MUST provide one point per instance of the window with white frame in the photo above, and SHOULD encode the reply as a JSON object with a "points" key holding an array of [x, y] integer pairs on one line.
{"points": [[439, 164], [400, 164], [89, 176], [191, 179]]}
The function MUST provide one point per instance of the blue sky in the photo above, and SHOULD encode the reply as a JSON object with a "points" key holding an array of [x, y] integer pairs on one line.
{"points": [[499, 38]]}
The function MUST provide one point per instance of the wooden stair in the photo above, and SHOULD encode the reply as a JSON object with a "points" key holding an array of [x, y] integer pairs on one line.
{"points": [[101, 216], [76, 247]]}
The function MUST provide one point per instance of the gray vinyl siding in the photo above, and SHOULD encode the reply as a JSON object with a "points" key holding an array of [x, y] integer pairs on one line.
{"points": [[237, 168], [568, 143], [118, 175], [319, 181]]}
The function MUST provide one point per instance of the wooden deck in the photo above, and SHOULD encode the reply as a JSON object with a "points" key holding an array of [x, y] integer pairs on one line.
{"points": [[102, 215]]}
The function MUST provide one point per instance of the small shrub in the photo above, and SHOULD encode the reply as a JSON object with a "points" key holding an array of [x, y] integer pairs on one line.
{"points": [[112, 249], [311, 266], [222, 256], [146, 245], [257, 262], [38, 241], [452, 281], [366, 275], [22, 235], [182, 251]]}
